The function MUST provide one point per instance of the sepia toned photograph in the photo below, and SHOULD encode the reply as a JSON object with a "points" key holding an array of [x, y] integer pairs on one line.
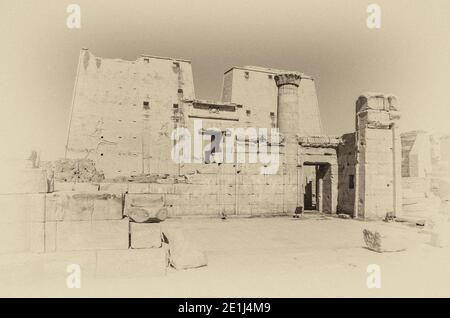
{"points": [[212, 149]]}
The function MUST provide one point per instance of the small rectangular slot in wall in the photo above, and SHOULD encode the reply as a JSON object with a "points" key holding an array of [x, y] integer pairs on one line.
{"points": [[247, 75], [351, 181], [146, 105]]}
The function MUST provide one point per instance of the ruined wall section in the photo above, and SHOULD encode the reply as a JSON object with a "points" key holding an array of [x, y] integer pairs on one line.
{"points": [[123, 112], [378, 156], [346, 155], [416, 154]]}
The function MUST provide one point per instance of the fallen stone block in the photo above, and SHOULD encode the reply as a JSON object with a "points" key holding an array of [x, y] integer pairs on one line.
{"points": [[92, 235], [142, 208], [182, 253], [145, 235], [83, 206], [379, 243]]}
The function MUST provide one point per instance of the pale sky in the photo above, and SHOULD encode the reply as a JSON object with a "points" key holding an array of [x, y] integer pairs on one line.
{"points": [[327, 39]]}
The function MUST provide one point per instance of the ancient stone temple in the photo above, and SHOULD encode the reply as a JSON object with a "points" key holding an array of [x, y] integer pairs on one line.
{"points": [[142, 148], [124, 115]]}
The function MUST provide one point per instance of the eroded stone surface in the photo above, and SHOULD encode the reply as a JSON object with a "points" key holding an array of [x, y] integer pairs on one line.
{"points": [[383, 243], [183, 254]]}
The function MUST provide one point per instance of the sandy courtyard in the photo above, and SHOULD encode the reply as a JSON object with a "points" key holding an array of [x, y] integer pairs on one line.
{"points": [[276, 257]]}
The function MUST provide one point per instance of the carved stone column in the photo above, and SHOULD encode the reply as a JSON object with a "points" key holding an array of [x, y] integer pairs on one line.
{"points": [[288, 106]]}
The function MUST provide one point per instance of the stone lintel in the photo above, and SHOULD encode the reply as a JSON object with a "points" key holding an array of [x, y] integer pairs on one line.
{"points": [[320, 141]]}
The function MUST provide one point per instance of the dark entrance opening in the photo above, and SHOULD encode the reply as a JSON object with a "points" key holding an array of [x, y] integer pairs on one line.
{"points": [[317, 187]]}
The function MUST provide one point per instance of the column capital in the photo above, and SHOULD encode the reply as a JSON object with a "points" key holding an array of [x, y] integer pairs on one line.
{"points": [[288, 79]]}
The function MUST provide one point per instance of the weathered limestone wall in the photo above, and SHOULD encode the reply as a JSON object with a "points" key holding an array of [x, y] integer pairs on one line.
{"points": [[224, 190], [123, 112], [418, 163], [379, 156], [346, 155], [255, 89], [56, 229], [23, 187], [440, 175], [416, 154], [211, 190]]}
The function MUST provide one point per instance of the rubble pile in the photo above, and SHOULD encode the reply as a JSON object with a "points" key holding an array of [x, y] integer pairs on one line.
{"points": [[73, 170]]}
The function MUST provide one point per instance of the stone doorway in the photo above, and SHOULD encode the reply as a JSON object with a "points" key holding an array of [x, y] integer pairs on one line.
{"points": [[317, 187]]}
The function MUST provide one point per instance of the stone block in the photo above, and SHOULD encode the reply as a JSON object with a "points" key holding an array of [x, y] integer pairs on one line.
{"points": [[183, 254], [249, 168], [145, 207], [197, 189], [23, 237], [160, 188], [76, 186], [37, 237], [383, 243], [138, 188], [22, 208], [145, 235], [247, 199], [254, 179], [194, 210], [92, 235], [227, 179], [203, 199], [203, 179], [24, 181], [116, 188], [226, 199], [275, 179], [83, 206], [178, 199], [50, 236]]}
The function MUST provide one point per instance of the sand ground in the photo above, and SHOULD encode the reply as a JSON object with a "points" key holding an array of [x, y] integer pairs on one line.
{"points": [[276, 257]]}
